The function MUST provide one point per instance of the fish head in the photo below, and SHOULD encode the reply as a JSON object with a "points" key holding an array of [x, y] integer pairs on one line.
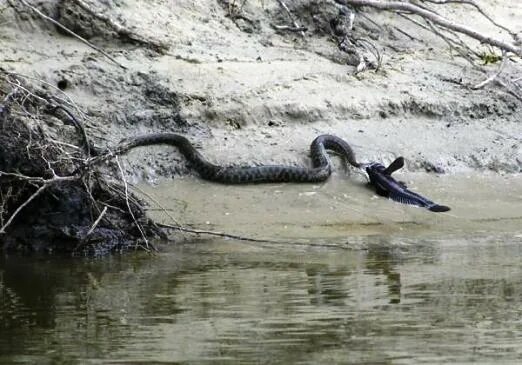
{"points": [[374, 168]]}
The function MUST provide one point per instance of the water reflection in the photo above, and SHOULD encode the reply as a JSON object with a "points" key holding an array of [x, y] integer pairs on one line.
{"points": [[400, 301]]}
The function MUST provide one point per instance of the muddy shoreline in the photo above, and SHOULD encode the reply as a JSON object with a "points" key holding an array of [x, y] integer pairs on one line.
{"points": [[247, 93], [343, 210]]}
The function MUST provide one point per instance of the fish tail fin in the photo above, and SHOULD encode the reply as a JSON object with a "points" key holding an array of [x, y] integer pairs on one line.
{"points": [[438, 208]]}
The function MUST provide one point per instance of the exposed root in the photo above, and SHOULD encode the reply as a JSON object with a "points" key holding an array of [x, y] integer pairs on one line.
{"points": [[52, 198]]}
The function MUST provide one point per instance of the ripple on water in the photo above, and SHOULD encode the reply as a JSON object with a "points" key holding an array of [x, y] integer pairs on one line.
{"points": [[405, 292]]}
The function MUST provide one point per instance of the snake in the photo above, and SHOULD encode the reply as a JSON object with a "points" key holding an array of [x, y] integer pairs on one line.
{"points": [[320, 170]]}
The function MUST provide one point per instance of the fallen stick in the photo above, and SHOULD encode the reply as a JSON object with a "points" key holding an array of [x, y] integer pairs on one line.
{"points": [[72, 33], [126, 187], [290, 28], [296, 25], [95, 224], [247, 239], [214, 233]]}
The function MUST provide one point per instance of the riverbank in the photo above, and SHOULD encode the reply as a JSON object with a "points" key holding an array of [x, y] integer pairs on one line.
{"points": [[248, 93], [253, 95]]}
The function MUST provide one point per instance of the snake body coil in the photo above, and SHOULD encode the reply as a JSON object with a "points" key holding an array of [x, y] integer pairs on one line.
{"points": [[321, 167]]}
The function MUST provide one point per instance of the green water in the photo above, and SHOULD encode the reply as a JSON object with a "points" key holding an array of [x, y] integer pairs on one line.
{"points": [[401, 290]]}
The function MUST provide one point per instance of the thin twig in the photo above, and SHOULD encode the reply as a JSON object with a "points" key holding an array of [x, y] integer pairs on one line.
{"points": [[289, 28], [72, 33], [214, 233], [243, 238], [155, 201], [412, 38], [96, 222], [39, 179], [452, 44], [368, 45], [517, 93], [69, 101], [126, 187], [22, 206]]}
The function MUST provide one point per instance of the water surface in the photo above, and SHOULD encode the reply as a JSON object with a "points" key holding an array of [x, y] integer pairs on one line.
{"points": [[369, 282]]}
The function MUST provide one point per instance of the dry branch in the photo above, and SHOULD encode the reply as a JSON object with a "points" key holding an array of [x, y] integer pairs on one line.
{"points": [[126, 192], [45, 184], [437, 19], [96, 222], [290, 28], [476, 6]]}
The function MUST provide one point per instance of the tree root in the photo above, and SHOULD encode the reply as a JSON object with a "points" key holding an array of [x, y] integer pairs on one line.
{"points": [[51, 198], [450, 32]]}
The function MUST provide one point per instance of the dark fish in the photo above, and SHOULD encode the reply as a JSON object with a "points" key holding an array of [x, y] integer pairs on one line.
{"points": [[386, 185]]}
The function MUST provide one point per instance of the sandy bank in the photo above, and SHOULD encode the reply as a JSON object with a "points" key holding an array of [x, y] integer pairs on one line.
{"points": [[247, 93]]}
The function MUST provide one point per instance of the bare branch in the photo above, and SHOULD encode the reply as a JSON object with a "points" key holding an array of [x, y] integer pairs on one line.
{"points": [[243, 238], [289, 28], [22, 206], [437, 19], [45, 184], [474, 4], [161, 207], [126, 187]]}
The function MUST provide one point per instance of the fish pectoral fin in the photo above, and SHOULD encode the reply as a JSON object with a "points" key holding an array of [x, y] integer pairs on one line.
{"points": [[381, 191], [395, 165]]}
